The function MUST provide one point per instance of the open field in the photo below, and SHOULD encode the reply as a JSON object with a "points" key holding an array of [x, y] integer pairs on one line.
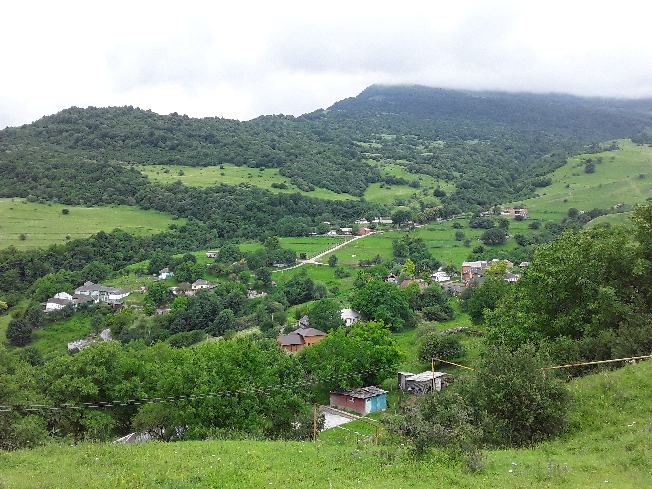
{"points": [[243, 175], [208, 176], [45, 224], [387, 194], [610, 446], [623, 176], [312, 245]]}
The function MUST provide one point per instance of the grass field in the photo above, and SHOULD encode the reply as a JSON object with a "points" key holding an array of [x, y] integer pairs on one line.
{"points": [[45, 224], [624, 176], [231, 175], [609, 446], [264, 178]]}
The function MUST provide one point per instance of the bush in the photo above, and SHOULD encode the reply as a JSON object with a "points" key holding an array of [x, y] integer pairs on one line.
{"points": [[436, 345], [515, 402], [186, 338]]}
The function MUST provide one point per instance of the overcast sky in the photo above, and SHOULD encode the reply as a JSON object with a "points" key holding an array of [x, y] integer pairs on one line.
{"points": [[241, 61]]}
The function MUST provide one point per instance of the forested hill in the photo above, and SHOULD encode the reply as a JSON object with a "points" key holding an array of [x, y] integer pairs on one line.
{"points": [[493, 147]]}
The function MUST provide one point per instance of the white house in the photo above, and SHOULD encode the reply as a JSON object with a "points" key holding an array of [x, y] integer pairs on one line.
{"points": [[211, 254], [441, 276], [165, 274], [349, 316], [201, 284]]}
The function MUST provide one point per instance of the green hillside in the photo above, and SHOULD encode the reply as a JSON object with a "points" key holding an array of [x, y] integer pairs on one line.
{"points": [[623, 176], [610, 445], [46, 224]]}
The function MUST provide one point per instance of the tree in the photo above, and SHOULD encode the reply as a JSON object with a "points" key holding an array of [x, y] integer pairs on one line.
{"points": [[189, 271], [486, 297], [437, 345], [365, 355], [19, 332], [264, 275], [64, 211], [224, 322], [459, 235], [516, 403], [332, 261], [228, 253], [401, 216], [503, 223], [382, 301], [325, 315], [158, 294], [272, 243], [409, 268], [578, 285], [493, 237]]}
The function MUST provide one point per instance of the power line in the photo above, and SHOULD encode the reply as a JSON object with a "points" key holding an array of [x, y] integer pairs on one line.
{"points": [[252, 390]]}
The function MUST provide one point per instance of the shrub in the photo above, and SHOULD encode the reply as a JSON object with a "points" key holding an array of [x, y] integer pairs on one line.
{"points": [[65, 211], [515, 402], [186, 338], [437, 345]]}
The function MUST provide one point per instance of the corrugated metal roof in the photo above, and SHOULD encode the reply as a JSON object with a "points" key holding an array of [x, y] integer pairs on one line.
{"points": [[424, 376], [362, 392]]}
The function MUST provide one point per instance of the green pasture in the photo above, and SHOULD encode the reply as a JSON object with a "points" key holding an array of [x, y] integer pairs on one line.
{"points": [[388, 194], [624, 176], [209, 176], [264, 178], [608, 445], [45, 224], [310, 245]]}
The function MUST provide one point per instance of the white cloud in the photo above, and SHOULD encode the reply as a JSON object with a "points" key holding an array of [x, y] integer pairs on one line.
{"points": [[251, 58]]}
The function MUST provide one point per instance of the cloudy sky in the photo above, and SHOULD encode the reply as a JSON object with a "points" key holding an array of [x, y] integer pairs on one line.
{"points": [[240, 61]]}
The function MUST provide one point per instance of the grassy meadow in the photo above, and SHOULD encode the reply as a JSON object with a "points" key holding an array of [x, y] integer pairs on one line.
{"points": [[623, 176], [609, 445], [264, 178], [45, 224]]}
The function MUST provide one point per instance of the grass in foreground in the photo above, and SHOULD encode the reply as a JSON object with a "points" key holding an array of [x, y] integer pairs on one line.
{"points": [[609, 447]]}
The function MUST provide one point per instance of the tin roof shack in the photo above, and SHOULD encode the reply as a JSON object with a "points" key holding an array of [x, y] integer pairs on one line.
{"points": [[423, 382], [364, 400]]}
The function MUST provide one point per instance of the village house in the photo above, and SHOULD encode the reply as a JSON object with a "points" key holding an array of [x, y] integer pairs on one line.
{"points": [[350, 316], [441, 276], [211, 254], [201, 284], [364, 400], [252, 294], [383, 220], [475, 269], [300, 338], [101, 293], [405, 283], [514, 212], [165, 274]]}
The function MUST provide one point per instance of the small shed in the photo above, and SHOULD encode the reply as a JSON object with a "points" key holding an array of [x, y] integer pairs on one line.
{"points": [[423, 382], [364, 400]]}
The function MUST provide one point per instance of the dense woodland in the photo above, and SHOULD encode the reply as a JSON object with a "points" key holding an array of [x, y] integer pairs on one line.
{"points": [[585, 297]]}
